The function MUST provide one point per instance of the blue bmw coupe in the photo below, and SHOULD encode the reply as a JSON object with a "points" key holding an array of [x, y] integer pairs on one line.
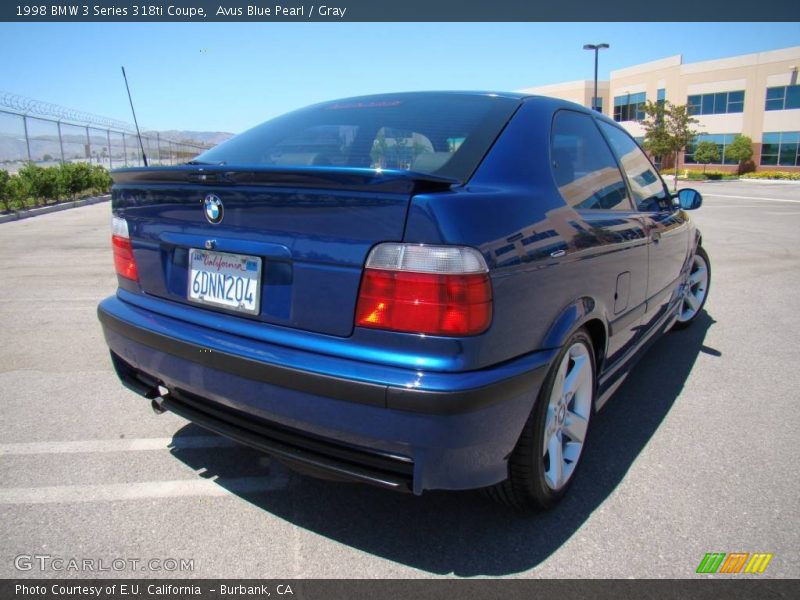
{"points": [[417, 291]]}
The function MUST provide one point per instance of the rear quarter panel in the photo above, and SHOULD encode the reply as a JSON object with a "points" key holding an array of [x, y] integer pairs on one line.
{"points": [[512, 211]]}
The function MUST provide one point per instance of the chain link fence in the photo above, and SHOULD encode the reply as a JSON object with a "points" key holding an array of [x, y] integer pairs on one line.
{"points": [[44, 141]]}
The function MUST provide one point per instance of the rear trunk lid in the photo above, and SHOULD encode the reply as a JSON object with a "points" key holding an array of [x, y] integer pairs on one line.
{"points": [[307, 229]]}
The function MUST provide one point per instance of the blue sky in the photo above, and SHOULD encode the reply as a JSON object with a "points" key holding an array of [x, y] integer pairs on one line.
{"points": [[230, 76]]}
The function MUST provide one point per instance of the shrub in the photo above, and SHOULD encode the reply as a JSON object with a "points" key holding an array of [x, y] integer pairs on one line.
{"points": [[708, 175], [76, 177], [51, 184], [18, 192], [5, 192], [773, 175], [100, 180], [25, 178], [31, 177]]}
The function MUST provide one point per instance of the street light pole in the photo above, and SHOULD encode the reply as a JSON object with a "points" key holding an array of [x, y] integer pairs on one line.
{"points": [[596, 48]]}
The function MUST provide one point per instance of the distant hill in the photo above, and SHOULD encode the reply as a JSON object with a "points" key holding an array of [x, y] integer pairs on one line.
{"points": [[209, 138]]}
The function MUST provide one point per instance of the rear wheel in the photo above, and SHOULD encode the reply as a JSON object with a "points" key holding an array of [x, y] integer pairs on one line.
{"points": [[696, 291], [543, 464]]}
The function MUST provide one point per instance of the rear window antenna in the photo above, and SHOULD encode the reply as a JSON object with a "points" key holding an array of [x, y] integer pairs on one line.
{"points": [[135, 122]]}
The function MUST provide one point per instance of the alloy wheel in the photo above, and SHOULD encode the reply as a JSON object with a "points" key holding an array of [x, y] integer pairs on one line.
{"points": [[696, 289], [568, 414]]}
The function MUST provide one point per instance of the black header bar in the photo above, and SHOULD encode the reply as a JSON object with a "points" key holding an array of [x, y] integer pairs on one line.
{"points": [[336, 11]]}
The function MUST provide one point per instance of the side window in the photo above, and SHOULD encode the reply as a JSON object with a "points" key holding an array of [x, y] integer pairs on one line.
{"points": [[647, 187], [584, 169]]}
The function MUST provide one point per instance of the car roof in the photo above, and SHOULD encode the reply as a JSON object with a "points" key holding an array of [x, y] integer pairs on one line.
{"points": [[552, 101], [428, 94]]}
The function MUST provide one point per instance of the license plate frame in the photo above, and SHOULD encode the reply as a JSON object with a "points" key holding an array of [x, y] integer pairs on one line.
{"points": [[224, 264]]}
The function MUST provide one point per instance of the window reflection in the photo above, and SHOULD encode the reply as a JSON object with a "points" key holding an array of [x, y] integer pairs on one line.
{"points": [[647, 187]]}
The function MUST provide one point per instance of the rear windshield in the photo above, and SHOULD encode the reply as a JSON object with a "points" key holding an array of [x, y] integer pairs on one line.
{"points": [[442, 134]]}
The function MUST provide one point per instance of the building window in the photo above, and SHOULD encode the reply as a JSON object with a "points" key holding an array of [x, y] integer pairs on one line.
{"points": [[780, 149], [661, 95], [783, 97], [716, 104], [722, 140], [539, 236], [597, 103], [629, 107]]}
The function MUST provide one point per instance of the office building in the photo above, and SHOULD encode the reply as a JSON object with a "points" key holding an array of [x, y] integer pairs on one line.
{"points": [[756, 95]]}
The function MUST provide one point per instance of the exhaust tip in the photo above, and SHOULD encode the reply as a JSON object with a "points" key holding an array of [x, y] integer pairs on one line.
{"points": [[155, 404]]}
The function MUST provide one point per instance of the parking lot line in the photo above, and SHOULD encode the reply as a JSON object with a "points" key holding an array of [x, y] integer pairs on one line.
{"points": [[118, 445], [139, 491], [752, 198]]}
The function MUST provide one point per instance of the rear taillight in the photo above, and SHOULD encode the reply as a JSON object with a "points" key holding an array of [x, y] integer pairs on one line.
{"points": [[124, 262], [436, 290]]}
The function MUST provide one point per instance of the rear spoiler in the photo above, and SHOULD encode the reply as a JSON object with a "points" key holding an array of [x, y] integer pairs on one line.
{"points": [[349, 178]]}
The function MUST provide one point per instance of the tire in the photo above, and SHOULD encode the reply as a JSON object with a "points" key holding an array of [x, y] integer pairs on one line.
{"points": [[696, 292], [554, 425]]}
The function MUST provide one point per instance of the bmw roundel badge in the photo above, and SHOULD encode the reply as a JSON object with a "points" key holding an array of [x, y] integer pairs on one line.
{"points": [[212, 206]]}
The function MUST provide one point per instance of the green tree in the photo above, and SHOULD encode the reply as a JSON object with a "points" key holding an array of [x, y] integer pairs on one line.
{"points": [[706, 152], [740, 150], [656, 140], [668, 130]]}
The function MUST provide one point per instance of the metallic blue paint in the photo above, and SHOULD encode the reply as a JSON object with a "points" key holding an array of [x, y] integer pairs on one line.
{"points": [[314, 238]]}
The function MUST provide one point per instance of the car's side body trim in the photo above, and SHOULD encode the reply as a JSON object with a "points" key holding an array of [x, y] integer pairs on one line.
{"points": [[627, 319], [608, 380]]}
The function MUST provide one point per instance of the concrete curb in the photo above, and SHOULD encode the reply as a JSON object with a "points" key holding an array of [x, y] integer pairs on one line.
{"points": [[737, 180], [33, 212], [772, 181]]}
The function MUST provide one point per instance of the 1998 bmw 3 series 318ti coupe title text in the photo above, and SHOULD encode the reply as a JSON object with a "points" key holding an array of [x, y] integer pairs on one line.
{"points": [[418, 291]]}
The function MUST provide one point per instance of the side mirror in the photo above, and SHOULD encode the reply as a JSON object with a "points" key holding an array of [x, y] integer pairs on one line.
{"points": [[688, 199]]}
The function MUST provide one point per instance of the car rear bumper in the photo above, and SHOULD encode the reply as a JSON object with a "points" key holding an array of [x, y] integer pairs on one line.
{"points": [[394, 427]]}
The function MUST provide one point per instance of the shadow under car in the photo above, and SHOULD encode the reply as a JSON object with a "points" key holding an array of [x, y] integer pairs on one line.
{"points": [[465, 533]]}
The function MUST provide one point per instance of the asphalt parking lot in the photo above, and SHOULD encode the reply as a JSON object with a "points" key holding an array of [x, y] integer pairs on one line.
{"points": [[697, 452]]}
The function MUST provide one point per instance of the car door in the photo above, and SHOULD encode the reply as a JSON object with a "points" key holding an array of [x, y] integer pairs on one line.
{"points": [[607, 249], [667, 226]]}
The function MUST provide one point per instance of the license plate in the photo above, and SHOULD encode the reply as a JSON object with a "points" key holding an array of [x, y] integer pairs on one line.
{"points": [[230, 281]]}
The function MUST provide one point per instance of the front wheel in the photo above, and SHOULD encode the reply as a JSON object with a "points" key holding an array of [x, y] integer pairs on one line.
{"points": [[696, 290], [543, 464]]}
